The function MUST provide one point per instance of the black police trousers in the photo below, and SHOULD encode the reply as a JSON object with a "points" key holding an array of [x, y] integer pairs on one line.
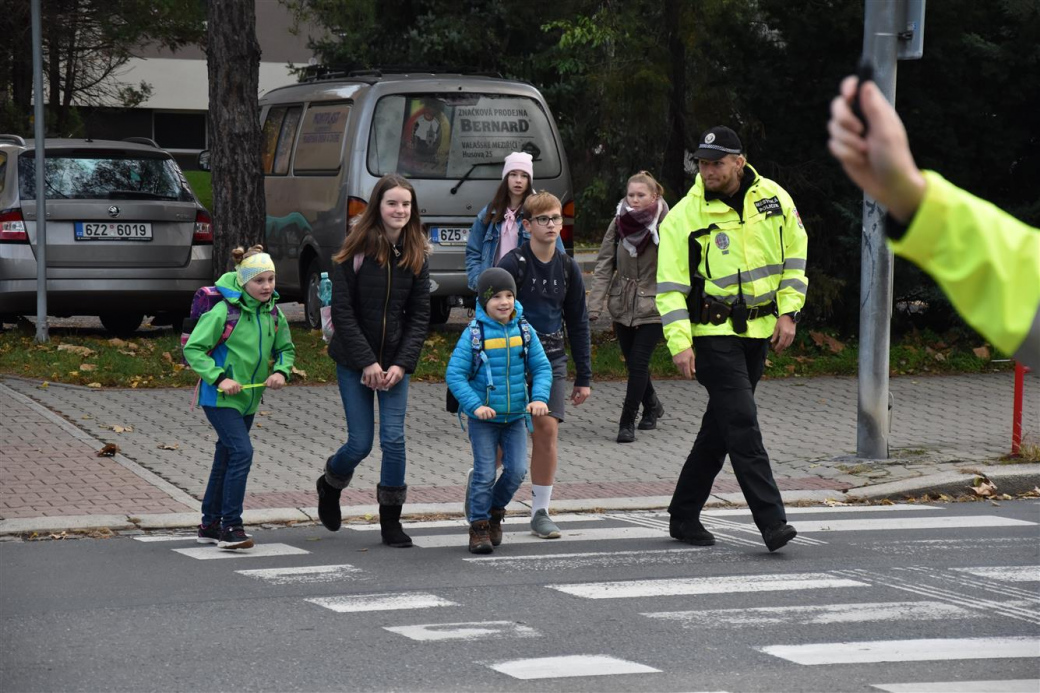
{"points": [[729, 368]]}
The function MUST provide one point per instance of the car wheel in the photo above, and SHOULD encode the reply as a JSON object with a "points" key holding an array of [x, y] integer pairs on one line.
{"points": [[440, 310], [311, 299], [122, 324]]}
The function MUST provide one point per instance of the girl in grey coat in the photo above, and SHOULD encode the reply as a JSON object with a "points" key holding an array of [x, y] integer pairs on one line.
{"points": [[625, 282]]}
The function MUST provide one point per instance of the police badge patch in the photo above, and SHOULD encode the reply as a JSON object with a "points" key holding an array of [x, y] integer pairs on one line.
{"points": [[722, 241], [769, 206]]}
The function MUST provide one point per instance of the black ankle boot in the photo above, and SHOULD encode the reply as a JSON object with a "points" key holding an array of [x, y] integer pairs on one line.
{"points": [[627, 427], [651, 414], [391, 498], [330, 486]]}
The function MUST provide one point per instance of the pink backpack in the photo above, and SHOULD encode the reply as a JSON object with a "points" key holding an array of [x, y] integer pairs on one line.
{"points": [[201, 303], [328, 330]]}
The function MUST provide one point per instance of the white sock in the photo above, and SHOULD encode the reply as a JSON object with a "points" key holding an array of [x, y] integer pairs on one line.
{"points": [[540, 497]]}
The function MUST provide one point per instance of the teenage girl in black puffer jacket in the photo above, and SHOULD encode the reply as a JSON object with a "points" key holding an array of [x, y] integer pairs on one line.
{"points": [[381, 312]]}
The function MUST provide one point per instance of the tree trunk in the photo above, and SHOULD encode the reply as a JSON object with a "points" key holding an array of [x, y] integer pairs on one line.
{"points": [[233, 59], [674, 175]]}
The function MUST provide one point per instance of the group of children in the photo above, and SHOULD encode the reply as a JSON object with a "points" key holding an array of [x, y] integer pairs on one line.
{"points": [[508, 371]]}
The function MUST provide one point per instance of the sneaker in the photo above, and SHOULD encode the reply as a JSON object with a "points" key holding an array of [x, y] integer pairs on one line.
{"points": [[691, 532], [209, 534], [542, 527], [778, 535], [465, 503], [479, 537], [234, 538]]}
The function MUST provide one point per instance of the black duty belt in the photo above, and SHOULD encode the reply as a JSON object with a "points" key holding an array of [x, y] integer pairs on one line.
{"points": [[717, 312], [761, 311]]}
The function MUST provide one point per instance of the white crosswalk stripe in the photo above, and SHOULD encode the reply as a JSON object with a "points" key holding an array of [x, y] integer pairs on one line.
{"points": [[1015, 573], [1011, 686], [570, 666], [306, 574], [478, 630], [923, 650], [209, 553], [816, 614], [390, 601], [910, 523], [459, 539], [628, 589]]}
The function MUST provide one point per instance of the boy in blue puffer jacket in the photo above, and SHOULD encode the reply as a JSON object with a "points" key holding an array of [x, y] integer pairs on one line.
{"points": [[491, 387]]}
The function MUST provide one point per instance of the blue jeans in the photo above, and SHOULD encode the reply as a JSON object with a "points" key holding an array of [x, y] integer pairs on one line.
{"points": [[226, 490], [359, 405], [486, 438]]}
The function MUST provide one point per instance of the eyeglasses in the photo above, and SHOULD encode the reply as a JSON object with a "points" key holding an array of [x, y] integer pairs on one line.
{"points": [[554, 220]]}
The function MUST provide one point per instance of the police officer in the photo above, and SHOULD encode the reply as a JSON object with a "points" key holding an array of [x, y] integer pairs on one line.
{"points": [[730, 282]]}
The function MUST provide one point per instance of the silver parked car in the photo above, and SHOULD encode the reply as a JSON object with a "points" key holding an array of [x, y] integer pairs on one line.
{"points": [[126, 236]]}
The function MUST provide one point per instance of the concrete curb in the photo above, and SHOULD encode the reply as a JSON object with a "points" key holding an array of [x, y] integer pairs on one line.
{"points": [[1010, 479], [69, 523]]}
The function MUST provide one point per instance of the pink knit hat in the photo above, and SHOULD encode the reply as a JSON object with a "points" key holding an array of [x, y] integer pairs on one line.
{"points": [[519, 161]]}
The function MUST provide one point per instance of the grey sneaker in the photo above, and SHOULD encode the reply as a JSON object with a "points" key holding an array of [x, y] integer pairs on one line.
{"points": [[543, 527]]}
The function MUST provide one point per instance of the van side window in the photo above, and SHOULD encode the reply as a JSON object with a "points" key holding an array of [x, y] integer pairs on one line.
{"points": [[278, 136], [320, 145]]}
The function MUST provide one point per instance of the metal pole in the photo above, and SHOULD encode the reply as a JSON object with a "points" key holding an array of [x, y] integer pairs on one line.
{"points": [[881, 23], [41, 188]]}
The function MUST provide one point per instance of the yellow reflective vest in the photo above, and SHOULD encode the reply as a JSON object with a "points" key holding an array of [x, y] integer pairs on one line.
{"points": [[762, 255], [986, 261]]}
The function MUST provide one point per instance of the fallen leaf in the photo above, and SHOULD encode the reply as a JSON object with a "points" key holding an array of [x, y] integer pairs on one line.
{"points": [[116, 342], [821, 340], [44, 385], [297, 371], [768, 363], [985, 489], [169, 446], [127, 352], [87, 367], [886, 501], [264, 413], [940, 357], [86, 417], [259, 425], [81, 350], [118, 428], [982, 352], [834, 504], [109, 450], [96, 386], [167, 357]]}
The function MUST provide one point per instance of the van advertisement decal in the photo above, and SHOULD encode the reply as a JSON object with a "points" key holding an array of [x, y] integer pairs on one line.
{"points": [[459, 135], [426, 138], [321, 139]]}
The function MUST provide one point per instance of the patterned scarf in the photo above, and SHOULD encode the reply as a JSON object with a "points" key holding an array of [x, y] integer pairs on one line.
{"points": [[637, 227]]}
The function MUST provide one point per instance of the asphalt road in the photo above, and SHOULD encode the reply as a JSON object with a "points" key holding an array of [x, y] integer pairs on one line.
{"points": [[865, 599]]}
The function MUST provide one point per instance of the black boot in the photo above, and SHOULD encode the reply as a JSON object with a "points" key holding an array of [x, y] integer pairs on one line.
{"points": [[651, 414], [690, 531], [329, 488], [390, 499], [627, 427]]}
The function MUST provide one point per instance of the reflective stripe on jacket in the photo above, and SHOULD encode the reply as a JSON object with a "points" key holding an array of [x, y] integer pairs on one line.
{"points": [[768, 249], [985, 260]]}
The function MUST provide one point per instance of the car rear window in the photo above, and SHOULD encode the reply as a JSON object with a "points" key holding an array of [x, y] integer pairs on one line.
{"points": [[462, 134], [93, 175]]}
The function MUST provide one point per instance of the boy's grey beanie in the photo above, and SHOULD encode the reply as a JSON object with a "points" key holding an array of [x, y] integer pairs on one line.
{"points": [[491, 281]]}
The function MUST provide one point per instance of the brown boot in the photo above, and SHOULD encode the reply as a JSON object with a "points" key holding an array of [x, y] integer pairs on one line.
{"points": [[495, 525], [479, 537]]}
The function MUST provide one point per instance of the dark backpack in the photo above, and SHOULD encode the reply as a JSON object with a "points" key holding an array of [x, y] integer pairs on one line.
{"points": [[201, 303], [521, 268], [476, 340]]}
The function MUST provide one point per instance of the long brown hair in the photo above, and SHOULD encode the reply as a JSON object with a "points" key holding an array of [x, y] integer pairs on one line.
{"points": [[368, 236], [496, 211]]}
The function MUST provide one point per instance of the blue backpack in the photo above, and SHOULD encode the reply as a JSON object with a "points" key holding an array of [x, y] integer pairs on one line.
{"points": [[476, 340]]}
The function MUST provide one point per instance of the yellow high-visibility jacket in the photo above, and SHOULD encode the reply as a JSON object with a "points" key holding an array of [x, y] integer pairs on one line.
{"points": [[986, 261], [767, 249]]}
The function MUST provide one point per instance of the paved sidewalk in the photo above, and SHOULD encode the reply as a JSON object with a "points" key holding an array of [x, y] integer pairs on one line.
{"points": [[51, 478]]}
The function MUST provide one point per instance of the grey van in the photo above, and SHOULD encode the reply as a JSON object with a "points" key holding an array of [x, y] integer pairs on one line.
{"points": [[326, 142]]}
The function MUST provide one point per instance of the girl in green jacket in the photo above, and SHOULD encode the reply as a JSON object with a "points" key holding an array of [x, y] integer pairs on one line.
{"points": [[234, 373]]}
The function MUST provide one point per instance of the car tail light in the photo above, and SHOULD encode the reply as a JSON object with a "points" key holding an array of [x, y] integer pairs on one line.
{"points": [[355, 208], [567, 233], [203, 228], [12, 226]]}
